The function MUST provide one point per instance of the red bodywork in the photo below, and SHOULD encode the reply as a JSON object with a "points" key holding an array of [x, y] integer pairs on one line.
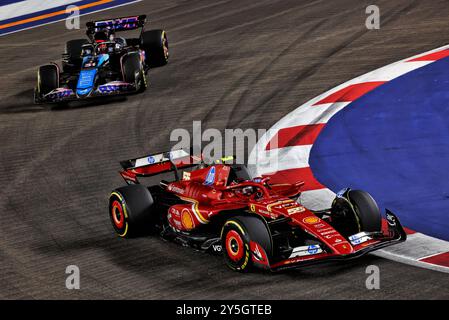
{"points": [[209, 200], [207, 192]]}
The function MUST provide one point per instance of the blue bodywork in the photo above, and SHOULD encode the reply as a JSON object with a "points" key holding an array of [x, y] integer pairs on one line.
{"points": [[86, 79]]}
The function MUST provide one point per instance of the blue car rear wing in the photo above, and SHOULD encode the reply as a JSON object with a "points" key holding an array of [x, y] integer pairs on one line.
{"points": [[116, 24]]}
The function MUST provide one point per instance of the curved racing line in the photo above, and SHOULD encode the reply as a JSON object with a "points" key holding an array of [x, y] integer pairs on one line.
{"points": [[283, 152]]}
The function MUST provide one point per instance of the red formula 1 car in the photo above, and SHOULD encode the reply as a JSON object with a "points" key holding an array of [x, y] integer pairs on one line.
{"points": [[219, 208]]}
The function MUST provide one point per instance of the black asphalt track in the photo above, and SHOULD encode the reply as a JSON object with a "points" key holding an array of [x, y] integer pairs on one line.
{"points": [[234, 64]]}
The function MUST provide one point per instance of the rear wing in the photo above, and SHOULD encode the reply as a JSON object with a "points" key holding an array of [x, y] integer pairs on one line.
{"points": [[154, 164], [116, 24]]}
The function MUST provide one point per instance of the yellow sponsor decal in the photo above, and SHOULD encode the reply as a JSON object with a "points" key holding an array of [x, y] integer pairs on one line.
{"points": [[311, 220], [186, 219]]}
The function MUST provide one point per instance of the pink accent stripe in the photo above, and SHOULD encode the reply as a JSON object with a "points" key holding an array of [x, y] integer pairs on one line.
{"points": [[441, 259], [434, 56], [295, 136], [351, 92], [294, 175]]}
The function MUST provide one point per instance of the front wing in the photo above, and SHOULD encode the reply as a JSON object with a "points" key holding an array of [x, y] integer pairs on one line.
{"points": [[65, 94], [393, 234]]}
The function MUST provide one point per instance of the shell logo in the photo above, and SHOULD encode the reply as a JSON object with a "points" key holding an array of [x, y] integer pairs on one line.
{"points": [[186, 220], [311, 220]]}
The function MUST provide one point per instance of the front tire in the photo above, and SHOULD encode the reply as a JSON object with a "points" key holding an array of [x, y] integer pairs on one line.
{"points": [[155, 44], [367, 210], [357, 211], [47, 79], [133, 71], [130, 210]]}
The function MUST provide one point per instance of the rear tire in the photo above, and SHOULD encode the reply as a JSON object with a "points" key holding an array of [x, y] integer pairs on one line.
{"points": [[130, 211], [155, 44], [47, 79], [133, 71], [73, 50]]}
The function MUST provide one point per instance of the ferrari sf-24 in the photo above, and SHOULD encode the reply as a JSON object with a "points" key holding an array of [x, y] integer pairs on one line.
{"points": [[221, 209]]}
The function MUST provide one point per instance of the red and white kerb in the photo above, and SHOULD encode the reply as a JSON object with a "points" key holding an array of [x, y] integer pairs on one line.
{"points": [[285, 149]]}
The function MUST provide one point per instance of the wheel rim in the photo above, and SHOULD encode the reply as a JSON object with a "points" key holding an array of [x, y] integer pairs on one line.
{"points": [[234, 245], [117, 214]]}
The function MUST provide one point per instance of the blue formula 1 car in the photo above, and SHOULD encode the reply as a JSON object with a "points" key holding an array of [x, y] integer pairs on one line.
{"points": [[105, 64]]}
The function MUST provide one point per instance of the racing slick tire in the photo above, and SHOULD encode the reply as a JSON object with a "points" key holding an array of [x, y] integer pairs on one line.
{"points": [[237, 234], [130, 210], [155, 44], [47, 79], [133, 71], [360, 213], [73, 51], [366, 210]]}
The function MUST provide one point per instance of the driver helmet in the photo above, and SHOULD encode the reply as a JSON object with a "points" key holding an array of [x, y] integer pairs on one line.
{"points": [[120, 41]]}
